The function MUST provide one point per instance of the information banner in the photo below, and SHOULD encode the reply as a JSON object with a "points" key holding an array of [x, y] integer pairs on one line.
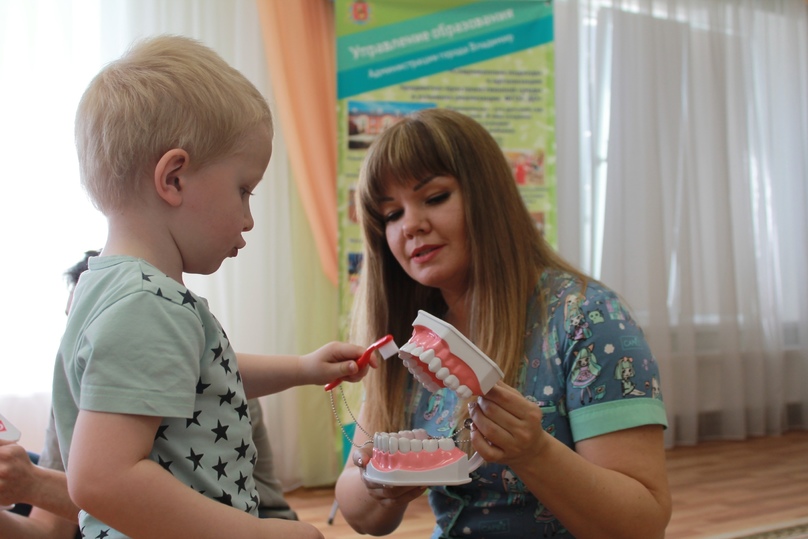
{"points": [[490, 59]]}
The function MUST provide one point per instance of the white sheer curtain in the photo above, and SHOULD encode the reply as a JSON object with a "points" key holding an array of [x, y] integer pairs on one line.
{"points": [[50, 51], [689, 136]]}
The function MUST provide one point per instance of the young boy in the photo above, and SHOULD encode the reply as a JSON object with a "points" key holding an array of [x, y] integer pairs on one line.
{"points": [[149, 396]]}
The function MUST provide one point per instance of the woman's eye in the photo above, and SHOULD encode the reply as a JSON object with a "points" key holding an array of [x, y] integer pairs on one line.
{"points": [[392, 216], [245, 191], [437, 199]]}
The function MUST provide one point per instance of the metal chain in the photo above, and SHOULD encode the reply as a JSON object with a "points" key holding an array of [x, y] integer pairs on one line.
{"points": [[339, 421]]}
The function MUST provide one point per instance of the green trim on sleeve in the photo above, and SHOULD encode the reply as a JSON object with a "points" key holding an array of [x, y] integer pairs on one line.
{"points": [[598, 419]]}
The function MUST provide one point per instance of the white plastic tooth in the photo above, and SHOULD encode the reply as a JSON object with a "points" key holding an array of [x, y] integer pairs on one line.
{"points": [[403, 445], [464, 392], [447, 444], [435, 365], [392, 444], [427, 355], [416, 445], [407, 362], [417, 351], [432, 386], [451, 381], [385, 442], [407, 348], [420, 434], [377, 441], [442, 373], [430, 446], [408, 434]]}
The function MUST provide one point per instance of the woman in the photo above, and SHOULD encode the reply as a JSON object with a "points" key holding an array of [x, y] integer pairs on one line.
{"points": [[572, 437]]}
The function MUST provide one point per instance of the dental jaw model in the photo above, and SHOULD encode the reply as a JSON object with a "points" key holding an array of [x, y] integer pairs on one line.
{"points": [[437, 355]]}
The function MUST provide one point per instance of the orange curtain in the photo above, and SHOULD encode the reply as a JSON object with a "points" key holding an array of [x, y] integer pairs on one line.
{"points": [[300, 49]]}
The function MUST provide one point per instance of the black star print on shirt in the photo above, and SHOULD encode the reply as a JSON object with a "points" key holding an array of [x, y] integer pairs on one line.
{"points": [[220, 468], [188, 298], [200, 387], [220, 431], [227, 397], [225, 498], [196, 459], [226, 366], [102, 534], [165, 464], [217, 351], [242, 411], [241, 482], [145, 276], [195, 419], [242, 450], [161, 432]]}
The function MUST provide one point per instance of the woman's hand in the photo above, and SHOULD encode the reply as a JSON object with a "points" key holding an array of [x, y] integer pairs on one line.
{"points": [[387, 496], [506, 426]]}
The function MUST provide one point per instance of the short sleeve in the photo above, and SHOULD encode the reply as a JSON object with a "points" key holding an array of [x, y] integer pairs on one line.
{"points": [[141, 356], [612, 377]]}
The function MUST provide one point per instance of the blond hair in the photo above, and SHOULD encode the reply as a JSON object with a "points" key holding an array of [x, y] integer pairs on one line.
{"points": [[506, 250], [165, 92]]}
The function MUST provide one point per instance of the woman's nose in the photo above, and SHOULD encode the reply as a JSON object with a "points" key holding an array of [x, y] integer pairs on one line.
{"points": [[414, 223]]}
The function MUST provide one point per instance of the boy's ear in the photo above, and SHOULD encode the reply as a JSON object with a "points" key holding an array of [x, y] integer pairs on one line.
{"points": [[169, 174]]}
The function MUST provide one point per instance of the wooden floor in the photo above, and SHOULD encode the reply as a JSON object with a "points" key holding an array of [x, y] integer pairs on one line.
{"points": [[717, 488]]}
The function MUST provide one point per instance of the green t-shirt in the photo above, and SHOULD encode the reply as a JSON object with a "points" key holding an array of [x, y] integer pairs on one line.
{"points": [[138, 342]]}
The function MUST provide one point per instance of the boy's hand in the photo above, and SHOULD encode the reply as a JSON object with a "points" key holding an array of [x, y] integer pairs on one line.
{"points": [[16, 474], [333, 361]]}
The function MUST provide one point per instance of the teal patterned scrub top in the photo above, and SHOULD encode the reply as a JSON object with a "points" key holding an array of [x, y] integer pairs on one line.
{"points": [[589, 369]]}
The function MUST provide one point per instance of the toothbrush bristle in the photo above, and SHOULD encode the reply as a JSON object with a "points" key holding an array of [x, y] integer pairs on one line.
{"points": [[388, 349]]}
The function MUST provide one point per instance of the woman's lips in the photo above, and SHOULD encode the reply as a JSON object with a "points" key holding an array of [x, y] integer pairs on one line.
{"points": [[425, 254]]}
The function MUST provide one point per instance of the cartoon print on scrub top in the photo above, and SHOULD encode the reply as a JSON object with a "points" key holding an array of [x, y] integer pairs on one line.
{"points": [[656, 392], [615, 312], [585, 371], [575, 321], [596, 316], [514, 488], [542, 515], [436, 407], [625, 373]]}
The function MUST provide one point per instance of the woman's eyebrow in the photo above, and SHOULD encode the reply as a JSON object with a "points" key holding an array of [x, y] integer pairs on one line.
{"points": [[416, 187], [423, 182]]}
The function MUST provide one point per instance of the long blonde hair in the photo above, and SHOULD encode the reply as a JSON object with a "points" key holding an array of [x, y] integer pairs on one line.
{"points": [[507, 251]]}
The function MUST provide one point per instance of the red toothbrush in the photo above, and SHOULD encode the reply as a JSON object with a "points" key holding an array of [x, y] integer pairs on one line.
{"points": [[386, 347]]}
